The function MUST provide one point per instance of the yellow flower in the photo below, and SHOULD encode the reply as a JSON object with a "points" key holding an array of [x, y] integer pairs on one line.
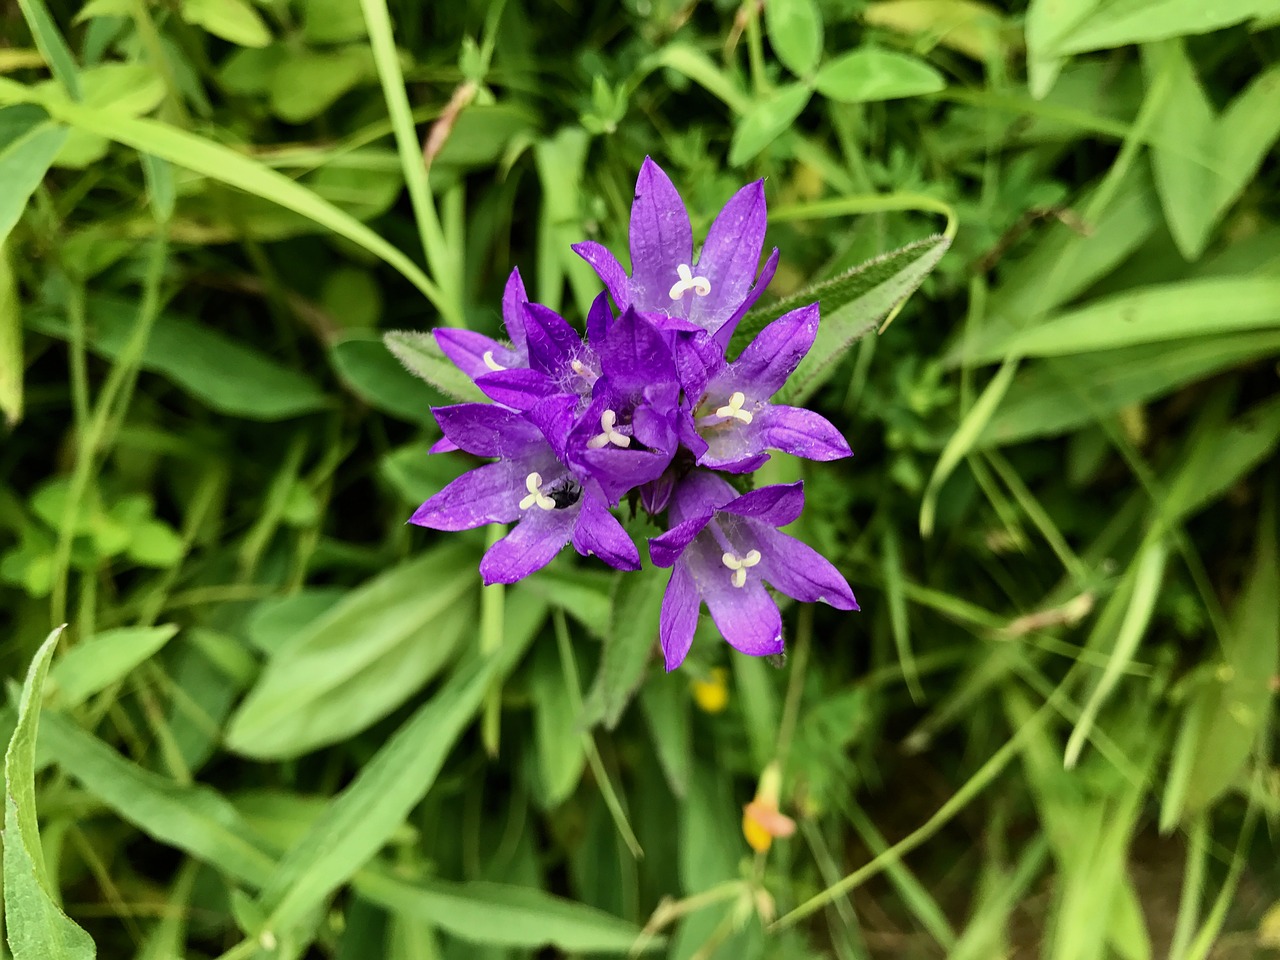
{"points": [[712, 695], [761, 819]]}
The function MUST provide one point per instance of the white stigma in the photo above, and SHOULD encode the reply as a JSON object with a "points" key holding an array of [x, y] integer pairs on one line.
{"points": [[533, 483], [733, 409], [739, 567], [608, 435], [578, 367], [491, 363], [701, 286]]}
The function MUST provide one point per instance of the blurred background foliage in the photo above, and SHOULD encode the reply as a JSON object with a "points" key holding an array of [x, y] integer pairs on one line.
{"points": [[282, 723]]}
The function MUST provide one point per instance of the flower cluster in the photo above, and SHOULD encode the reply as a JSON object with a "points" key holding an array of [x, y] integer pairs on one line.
{"points": [[647, 406]]}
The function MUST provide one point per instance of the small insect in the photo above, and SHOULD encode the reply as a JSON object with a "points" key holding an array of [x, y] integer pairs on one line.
{"points": [[565, 494], [776, 660]]}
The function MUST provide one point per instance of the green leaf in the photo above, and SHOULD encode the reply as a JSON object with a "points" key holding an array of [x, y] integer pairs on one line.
{"points": [[309, 81], [223, 374], [503, 915], [666, 709], [1194, 196], [765, 120], [422, 357], [11, 366], [368, 368], [235, 21], [795, 33], [865, 76], [1045, 398], [361, 818], [557, 736], [103, 659], [225, 165], [853, 304], [1231, 710], [361, 659], [1151, 314], [196, 819], [160, 186], [37, 927], [628, 645], [1122, 22], [52, 46], [1048, 21], [29, 141], [332, 21]]}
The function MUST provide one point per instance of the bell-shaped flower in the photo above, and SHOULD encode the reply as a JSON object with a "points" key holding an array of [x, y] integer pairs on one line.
{"points": [[723, 547], [716, 290], [735, 417], [528, 484], [630, 430]]}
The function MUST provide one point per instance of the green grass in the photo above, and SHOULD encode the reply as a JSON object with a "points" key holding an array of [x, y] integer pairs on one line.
{"points": [[281, 723]]}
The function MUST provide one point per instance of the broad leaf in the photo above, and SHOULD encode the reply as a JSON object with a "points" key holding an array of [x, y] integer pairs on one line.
{"points": [[29, 141], [361, 659], [865, 76]]}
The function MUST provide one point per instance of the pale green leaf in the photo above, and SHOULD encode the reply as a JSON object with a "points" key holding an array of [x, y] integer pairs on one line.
{"points": [[502, 914], [865, 76], [11, 365], [37, 927], [361, 659], [368, 368], [1150, 314], [235, 21], [795, 33], [765, 120], [1122, 22], [103, 659], [29, 141], [52, 46]]}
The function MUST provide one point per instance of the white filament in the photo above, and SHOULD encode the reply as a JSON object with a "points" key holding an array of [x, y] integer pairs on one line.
{"points": [[491, 363]]}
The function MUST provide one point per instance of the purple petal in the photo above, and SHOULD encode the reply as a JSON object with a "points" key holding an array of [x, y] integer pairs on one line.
{"points": [[799, 571], [635, 355], [488, 494], [610, 271], [554, 418], [747, 616], [467, 350], [699, 359], [487, 430], [519, 389], [599, 532], [599, 319], [679, 617], [655, 494], [699, 494], [777, 504], [534, 543], [513, 300], [661, 238], [725, 332], [763, 367], [731, 253], [801, 433], [666, 549], [553, 343], [444, 445], [687, 431]]}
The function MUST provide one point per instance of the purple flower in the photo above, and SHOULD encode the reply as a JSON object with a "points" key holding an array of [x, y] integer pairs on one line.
{"points": [[529, 484], [475, 354], [735, 417], [722, 548], [714, 292]]}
